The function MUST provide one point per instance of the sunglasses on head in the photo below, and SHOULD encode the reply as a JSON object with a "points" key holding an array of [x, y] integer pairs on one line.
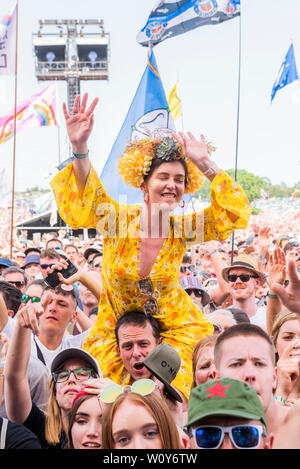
{"points": [[242, 277], [146, 288], [34, 299], [80, 374], [241, 436], [197, 293], [142, 387], [184, 268], [217, 329]]}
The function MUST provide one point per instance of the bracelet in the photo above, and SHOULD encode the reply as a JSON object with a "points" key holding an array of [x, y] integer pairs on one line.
{"points": [[212, 170], [274, 297], [280, 399], [81, 156]]}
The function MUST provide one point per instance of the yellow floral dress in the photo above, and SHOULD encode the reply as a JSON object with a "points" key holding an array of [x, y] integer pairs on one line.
{"points": [[181, 321]]}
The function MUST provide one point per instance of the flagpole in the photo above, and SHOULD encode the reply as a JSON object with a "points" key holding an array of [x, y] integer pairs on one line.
{"points": [[15, 133], [237, 115]]}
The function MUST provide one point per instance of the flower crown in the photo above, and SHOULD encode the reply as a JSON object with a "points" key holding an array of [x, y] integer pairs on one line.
{"points": [[135, 162]]}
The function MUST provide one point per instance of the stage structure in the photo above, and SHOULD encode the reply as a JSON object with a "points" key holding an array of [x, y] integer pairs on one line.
{"points": [[71, 50]]}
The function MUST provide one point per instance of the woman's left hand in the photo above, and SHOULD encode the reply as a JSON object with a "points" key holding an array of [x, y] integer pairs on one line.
{"points": [[195, 150]]}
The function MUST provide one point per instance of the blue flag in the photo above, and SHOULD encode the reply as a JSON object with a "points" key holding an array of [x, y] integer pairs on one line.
{"points": [[149, 112], [287, 73], [169, 19]]}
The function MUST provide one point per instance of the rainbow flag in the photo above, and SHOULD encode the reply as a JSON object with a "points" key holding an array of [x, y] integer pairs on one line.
{"points": [[36, 111]]}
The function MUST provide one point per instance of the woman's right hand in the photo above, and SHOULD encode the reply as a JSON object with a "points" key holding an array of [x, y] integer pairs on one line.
{"points": [[80, 123]]}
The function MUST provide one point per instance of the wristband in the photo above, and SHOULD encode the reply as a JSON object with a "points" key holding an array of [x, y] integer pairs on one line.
{"points": [[211, 171], [274, 297], [81, 156], [280, 399]]}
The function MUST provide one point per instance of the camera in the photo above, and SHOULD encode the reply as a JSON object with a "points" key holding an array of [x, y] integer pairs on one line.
{"points": [[52, 279]]}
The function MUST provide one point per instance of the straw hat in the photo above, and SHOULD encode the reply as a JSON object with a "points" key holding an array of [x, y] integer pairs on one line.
{"points": [[246, 262]]}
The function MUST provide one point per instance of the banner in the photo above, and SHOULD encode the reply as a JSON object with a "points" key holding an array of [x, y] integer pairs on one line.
{"points": [[174, 102], [149, 112], [37, 111], [287, 73], [8, 43], [169, 19]]}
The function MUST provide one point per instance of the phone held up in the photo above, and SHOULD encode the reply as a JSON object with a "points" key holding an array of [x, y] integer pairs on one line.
{"points": [[52, 279]]}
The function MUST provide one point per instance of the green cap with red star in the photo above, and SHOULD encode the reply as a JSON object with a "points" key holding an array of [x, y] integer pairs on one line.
{"points": [[224, 397]]}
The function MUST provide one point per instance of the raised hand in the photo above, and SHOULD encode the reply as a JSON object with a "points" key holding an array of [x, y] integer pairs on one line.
{"points": [[276, 267], [80, 123], [287, 370], [290, 296], [195, 150]]}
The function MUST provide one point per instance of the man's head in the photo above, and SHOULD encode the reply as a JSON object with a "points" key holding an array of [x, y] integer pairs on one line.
{"points": [[246, 352], [59, 306], [12, 297], [187, 267], [136, 335], [194, 288], [243, 277], [87, 297], [16, 277], [54, 243], [48, 258], [292, 250], [72, 252], [227, 414], [4, 264]]}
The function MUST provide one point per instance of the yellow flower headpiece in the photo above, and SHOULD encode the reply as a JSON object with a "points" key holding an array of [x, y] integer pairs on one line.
{"points": [[135, 162]]}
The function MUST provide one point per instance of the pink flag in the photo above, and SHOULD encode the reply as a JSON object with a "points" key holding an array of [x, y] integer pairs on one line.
{"points": [[8, 43], [37, 111]]}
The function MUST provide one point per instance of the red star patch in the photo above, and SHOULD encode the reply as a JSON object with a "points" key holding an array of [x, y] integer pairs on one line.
{"points": [[217, 390]]}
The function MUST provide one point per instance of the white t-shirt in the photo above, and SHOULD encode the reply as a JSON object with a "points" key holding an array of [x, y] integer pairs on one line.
{"points": [[70, 341], [259, 317]]}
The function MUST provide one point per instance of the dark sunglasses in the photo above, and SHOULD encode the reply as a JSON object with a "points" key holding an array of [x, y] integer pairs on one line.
{"points": [[146, 288], [197, 293], [46, 266], [34, 299], [184, 268], [97, 264], [242, 436], [17, 284], [80, 374], [243, 277]]}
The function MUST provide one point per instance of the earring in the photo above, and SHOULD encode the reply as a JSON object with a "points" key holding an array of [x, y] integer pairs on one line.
{"points": [[182, 204], [146, 198]]}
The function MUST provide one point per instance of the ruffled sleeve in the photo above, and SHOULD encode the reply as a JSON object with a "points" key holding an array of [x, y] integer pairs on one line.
{"points": [[229, 210], [88, 211]]}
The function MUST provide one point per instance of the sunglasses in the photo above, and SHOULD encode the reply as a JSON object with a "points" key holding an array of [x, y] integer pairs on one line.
{"points": [[34, 299], [146, 288], [97, 264], [111, 392], [17, 284], [184, 268], [241, 436], [80, 374], [243, 277], [46, 266], [197, 293]]}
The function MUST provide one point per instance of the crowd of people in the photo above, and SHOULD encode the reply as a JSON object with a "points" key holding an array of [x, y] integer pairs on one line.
{"points": [[164, 342]]}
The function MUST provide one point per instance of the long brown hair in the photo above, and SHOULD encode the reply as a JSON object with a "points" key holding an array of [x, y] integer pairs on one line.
{"points": [[156, 407]]}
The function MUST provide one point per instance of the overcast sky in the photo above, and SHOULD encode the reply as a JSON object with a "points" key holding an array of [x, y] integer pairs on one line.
{"points": [[205, 62]]}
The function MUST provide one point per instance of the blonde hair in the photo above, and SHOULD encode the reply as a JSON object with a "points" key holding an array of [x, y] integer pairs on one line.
{"points": [[159, 410], [54, 425], [207, 341], [282, 317]]}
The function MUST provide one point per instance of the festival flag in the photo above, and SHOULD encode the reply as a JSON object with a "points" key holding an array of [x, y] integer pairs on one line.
{"points": [[37, 111], [8, 43], [148, 114], [169, 19], [287, 73], [174, 102]]}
